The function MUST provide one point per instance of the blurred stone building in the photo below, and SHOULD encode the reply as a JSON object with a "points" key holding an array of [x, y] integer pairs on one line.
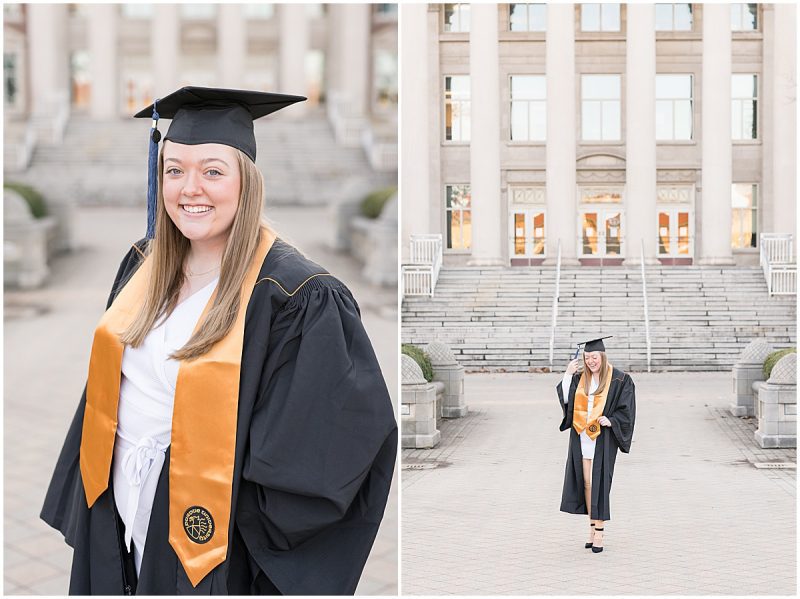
{"points": [[602, 128], [75, 73]]}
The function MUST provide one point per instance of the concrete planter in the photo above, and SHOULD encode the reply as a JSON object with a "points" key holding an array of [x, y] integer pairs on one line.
{"points": [[451, 374], [776, 406], [748, 371], [418, 408]]}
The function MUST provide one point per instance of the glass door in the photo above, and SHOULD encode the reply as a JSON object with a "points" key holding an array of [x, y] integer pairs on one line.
{"points": [[601, 233], [527, 233], [674, 233]]}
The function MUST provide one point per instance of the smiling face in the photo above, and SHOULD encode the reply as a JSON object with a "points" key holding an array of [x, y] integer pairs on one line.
{"points": [[201, 187], [593, 360]]}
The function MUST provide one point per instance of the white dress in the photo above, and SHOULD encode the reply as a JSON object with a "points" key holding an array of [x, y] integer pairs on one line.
{"points": [[144, 429], [587, 443]]}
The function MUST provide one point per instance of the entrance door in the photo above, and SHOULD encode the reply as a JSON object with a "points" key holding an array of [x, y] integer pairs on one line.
{"points": [[527, 243], [674, 234], [601, 235]]}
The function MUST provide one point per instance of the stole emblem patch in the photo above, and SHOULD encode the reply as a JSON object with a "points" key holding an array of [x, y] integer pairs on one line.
{"points": [[198, 524], [593, 428]]}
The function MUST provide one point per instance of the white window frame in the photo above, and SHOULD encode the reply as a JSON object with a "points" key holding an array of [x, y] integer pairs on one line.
{"points": [[602, 102], [462, 12], [462, 103], [528, 102], [737, 20], [447, 232], [528, 19], [672, 18], [674, 101], [742, 102], [604, 7]]}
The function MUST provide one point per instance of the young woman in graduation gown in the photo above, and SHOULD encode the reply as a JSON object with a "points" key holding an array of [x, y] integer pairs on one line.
{"points": [[599, 408], [254, 453]]}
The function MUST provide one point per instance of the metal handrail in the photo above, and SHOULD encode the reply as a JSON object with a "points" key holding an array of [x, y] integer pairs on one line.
{"points": [[776, 258], [646, 312], [556, 294]]}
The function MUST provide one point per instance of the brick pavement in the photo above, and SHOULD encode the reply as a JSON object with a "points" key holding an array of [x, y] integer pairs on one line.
{"points": [[690, 513], [47, 344]]}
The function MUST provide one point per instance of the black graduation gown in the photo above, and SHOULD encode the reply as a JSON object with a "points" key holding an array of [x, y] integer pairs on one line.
{"points": [[315, 450], [620, 408]]}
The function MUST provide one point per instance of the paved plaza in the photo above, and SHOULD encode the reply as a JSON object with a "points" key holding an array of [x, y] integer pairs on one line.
{"points": [[691, 514], [48, 335]]}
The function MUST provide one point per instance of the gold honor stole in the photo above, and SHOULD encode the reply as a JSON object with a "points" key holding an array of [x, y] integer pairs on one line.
{"points": [[203, 423], [581, 419]]}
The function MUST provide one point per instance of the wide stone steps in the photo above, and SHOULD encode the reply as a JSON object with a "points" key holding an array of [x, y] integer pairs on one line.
{"points": [[106, 162], [500, 319]]}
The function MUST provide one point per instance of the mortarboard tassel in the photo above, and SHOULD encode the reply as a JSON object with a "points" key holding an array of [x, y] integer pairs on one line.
{"points": [[152, 175]]}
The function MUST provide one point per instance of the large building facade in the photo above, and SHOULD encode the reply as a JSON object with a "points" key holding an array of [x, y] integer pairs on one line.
{"points": [[109, 60], [603, 132]]}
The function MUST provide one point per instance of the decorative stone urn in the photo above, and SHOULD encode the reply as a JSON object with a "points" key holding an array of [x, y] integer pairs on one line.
{"points": [[417, 407], [448, 371], [749, 369], [776, 406], [25, 243]]}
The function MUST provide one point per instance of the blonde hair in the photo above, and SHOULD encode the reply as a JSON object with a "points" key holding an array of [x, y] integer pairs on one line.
{"points": [[169, 250], [603, 374]]}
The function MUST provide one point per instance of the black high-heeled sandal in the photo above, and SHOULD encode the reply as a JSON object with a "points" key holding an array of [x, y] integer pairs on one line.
{"points": [[595, 548], [589, 545]]}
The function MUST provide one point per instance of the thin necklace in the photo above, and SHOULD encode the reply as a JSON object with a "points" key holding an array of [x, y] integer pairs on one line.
{"points": [[197, 274]]}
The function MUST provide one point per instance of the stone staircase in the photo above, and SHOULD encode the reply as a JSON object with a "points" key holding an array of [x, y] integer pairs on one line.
{"points": [[499, 319], [106, 162]]}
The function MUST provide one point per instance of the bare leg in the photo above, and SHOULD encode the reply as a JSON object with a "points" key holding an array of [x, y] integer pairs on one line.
{"points": [[587, 490]]}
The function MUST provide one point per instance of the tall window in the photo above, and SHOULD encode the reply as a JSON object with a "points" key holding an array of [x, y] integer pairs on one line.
{"points": [[744, 17], [258, 10], [456, 17], [600, 107], [137, 11], [744, 113], [384, 67], [458, 214], [599, 17], [198, 11], [456, 108], [673, 107], [527, 17], [528, 108], [673, 17], [10, 91], [744, 199]]}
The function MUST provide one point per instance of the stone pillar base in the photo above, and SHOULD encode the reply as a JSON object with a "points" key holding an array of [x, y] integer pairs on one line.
{"points": [[775, 441], [741, 411], [421, 441], [721, 261], [648, 261], [454, 412], [564, 261], [486, 262]]}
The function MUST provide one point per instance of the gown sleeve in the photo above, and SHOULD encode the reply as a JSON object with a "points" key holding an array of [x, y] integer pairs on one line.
{"points": [[65, 497], [323, 436], [563, 399], [624, 414]]}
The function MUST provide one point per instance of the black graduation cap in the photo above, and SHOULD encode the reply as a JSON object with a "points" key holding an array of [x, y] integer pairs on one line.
{"points": [[592, 345], [207, 115]]}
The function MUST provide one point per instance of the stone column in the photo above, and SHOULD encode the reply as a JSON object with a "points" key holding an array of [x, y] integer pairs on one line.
{"points": [[716, 210], [484, 153], [48, 56], [102, 31], [353, 39], [231, 45], [640, 100], [561, 220], [293, 48], [415, 132], [165, 49], [784, 120]]}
